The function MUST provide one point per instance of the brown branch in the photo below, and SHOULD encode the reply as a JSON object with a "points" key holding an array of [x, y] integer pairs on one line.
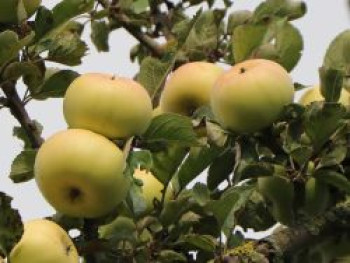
{"points": [[126, 23], [285, 242], [16, 106]]}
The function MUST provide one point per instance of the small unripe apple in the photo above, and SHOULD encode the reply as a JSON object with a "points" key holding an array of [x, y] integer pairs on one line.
{"points": [[251, 95], [152, 188], [9, 9], [80, 173], [314, 94], [44, 241], [115, 107], [188, 87]]}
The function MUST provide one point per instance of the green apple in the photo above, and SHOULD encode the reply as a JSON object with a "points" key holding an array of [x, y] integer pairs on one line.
{"points": [[10, 8], [188, 87], [44, 241], [80, 173], [152, 188], [251, 95], [115, 107], [314, 94]]}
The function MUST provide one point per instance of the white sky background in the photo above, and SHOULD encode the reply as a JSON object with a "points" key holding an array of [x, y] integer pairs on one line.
{"points": [[325, 19]]}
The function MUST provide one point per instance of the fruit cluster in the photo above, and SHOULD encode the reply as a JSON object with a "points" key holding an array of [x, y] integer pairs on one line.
{"points": [[80, 171]]}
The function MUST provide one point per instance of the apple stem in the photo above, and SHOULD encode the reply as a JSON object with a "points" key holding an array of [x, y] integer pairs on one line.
{"points": [[242, 70]]}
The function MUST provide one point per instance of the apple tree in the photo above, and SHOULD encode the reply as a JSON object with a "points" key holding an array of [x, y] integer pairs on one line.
{"points": [[212, 100]]}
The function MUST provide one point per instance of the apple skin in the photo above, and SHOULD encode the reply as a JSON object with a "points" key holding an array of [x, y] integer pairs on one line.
{"points": [[8, 10], [314, 94], [188, 87], [152, 188], [80, 173], [251, 95], [44, 241], [115, 107]]}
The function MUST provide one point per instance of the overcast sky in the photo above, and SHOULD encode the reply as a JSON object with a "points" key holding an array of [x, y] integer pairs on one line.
{"points": [[325, 19]]}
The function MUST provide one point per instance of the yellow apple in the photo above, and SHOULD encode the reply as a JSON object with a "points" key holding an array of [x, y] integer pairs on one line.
{"points": [[251, 95], [314, 94], [115, 107], [152, 188], [80, 173], [8, 10], [188, 87], [156, 111], [44, 241]]}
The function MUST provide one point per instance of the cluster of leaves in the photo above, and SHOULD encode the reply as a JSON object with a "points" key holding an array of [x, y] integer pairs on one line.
{"points": [[198, 225]]}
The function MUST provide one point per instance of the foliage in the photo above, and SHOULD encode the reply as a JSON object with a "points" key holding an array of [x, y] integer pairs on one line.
{"points": [[306, 144]]}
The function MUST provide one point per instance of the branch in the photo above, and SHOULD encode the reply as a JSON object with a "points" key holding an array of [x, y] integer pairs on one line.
{"points": [[125, 21], [16, 106], [285, 242], [90, 230]]}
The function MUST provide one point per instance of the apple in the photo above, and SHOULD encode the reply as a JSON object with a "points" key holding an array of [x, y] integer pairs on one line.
{"points": [[156, 111], [115, 107], [44, 241], [188, 87], [314, 94], [9, 9], [251, 95], [80, 173], [152, 188]]}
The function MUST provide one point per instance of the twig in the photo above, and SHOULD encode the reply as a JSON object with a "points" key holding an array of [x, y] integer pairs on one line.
{"points": [[16, 106]]}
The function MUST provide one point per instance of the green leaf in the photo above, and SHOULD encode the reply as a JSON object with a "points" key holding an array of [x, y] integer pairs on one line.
{"points": [[321, 120], [67, 9], [279, 41], [280, 8], [202, 242], [120, 229], [10, 45], [170, 256], [337, 55], [333, 178], [140, 6], [136, 200], [201, 193], [32, 74], [166, 162], [171, 128], [331, 83], [55, 84], [174, 209], [246, 38], [220, 169], [67, 48], [21, 134], [99, 35], [11, 227], [333, 155], [63, 43], [238, 18], [140, 159], [226, 208], [203, 38], [153, 73], [255, 214], [44, 22], [197, 160], [22, 168]]}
